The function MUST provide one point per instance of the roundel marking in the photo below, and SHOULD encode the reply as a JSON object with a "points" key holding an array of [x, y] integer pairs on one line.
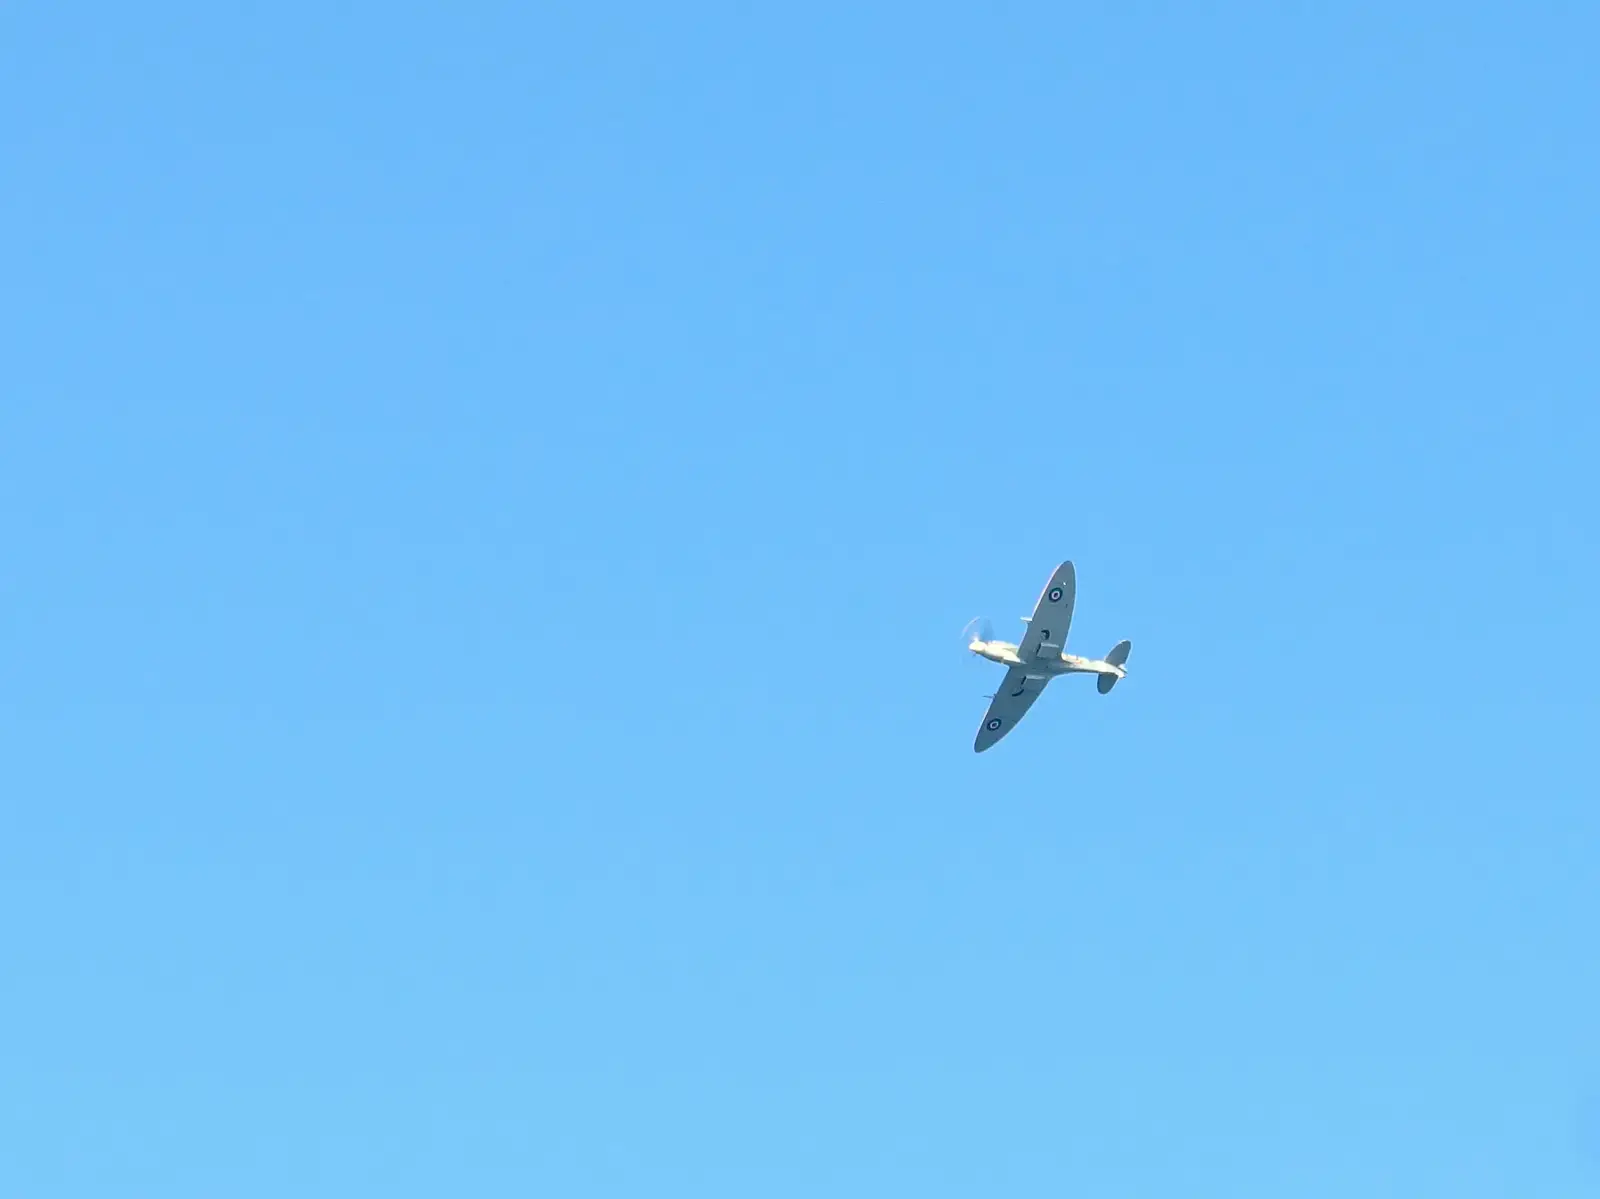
{"points": [[1055, 595], [993, 724]]}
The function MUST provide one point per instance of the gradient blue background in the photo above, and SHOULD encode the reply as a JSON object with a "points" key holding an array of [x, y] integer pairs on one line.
{"points": [[490, 495]]}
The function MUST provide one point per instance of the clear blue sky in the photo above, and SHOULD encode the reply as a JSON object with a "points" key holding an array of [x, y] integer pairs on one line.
{"points": [[490, 495]]}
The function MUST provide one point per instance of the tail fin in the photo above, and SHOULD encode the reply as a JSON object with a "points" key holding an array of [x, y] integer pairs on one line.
{"points": [[1117, 656]]}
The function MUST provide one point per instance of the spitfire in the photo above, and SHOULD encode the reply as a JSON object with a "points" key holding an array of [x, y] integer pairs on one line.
{"points": [[1040, 657]]}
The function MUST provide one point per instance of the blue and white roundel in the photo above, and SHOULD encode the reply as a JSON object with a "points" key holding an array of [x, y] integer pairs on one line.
{"points": [[994, 723], [1055, 595]]}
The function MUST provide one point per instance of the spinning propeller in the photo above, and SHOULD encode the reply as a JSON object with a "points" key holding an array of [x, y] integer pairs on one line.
{"points": [[978, 629]]}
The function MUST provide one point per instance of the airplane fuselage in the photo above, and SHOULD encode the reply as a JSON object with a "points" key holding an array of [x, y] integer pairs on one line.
{"points": [[1045, 667]]}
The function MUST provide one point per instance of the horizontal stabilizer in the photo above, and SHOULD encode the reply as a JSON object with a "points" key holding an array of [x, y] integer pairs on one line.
{"points": [[1117, 656]]}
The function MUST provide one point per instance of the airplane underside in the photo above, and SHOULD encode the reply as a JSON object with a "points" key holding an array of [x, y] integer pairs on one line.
{"points": [[1040, 657]]}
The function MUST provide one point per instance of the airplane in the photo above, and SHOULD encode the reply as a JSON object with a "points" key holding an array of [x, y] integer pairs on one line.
{"points": [[1041, 657]]}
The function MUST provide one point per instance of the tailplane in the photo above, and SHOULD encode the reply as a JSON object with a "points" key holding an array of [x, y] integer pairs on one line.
{"points": [[1117, 656]]}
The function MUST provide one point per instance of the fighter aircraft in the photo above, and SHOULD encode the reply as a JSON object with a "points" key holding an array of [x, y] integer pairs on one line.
{"points": [[1040, 658]]}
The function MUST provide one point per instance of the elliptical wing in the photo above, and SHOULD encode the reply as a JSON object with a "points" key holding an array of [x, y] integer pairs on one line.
{"points": [[1010, 704], [1052, 616]]}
